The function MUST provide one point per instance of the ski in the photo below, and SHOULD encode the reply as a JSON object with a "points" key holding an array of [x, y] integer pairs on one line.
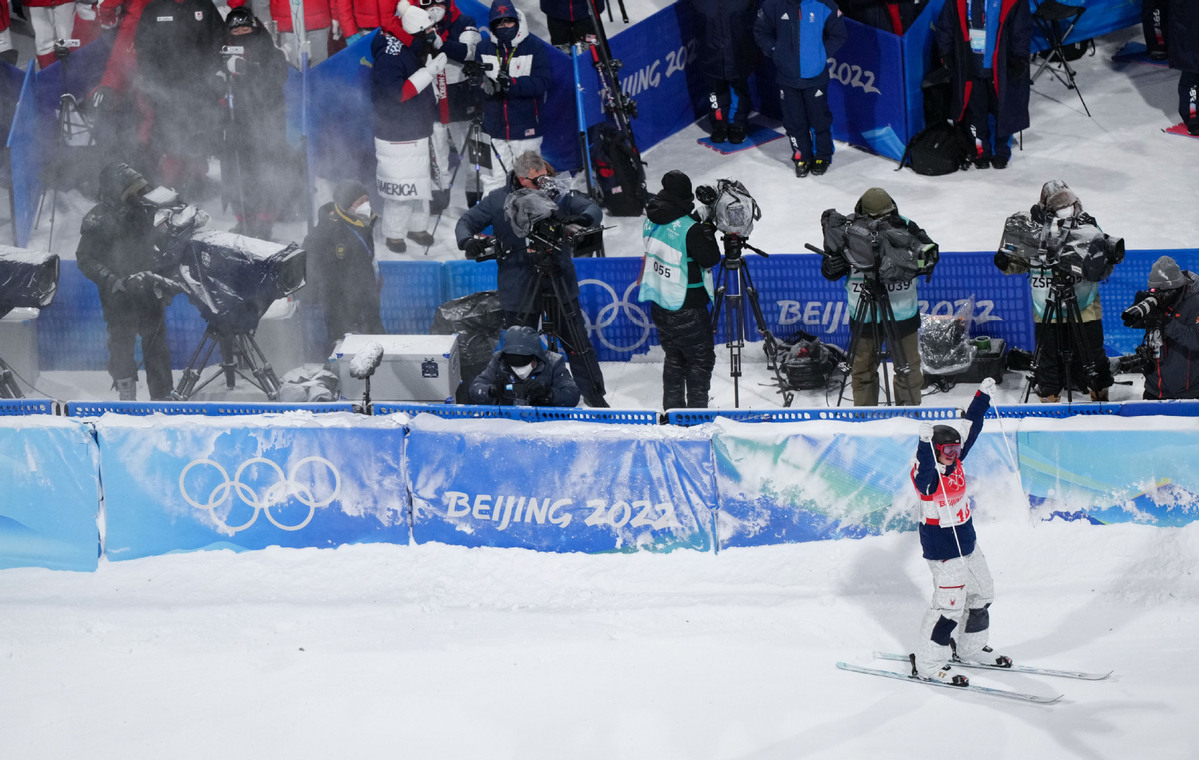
{"points": [[1028, 669], [972, 688]]}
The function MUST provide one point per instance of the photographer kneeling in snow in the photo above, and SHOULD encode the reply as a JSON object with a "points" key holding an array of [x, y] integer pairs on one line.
{"points": [[523, 373]]}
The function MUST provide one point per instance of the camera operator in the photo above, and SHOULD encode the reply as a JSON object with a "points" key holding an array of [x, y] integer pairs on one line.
{"points": [[520, 283], [1169, 313], [119, 250], [406, 64], [343, 275], [1060, 229], [523, 373], [517, 76], [676, 277], [876, 210]]}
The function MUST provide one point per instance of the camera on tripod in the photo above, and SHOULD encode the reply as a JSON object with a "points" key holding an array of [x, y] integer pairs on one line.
{"points": [[477, 71], [876, 248], [730, 207], [1073, 249], [534, 215]]}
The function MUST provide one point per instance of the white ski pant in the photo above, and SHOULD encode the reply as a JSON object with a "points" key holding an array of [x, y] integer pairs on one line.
{"points": [[51, 23], [962, 592], [403, 183], [5, 40], [398, 217], [503, 155]]}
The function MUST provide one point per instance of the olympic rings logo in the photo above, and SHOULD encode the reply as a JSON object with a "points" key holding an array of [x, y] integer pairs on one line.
{"points": [[277, 495], [607, 316]]}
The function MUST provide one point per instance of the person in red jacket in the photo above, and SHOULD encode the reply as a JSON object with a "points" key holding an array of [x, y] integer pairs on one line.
{"points": [[359, 18], [319, 25], [51, 20]]}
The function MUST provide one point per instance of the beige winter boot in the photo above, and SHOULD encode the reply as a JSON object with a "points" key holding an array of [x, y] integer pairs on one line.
{"points": [[127, 389]]}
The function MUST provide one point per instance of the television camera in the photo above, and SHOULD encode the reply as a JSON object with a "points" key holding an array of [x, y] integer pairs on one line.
{"points": [[28, 279], [884, 252], [1072, 248]]}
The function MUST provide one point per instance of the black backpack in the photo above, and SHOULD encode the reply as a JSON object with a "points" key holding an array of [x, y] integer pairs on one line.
{"points": [[935, 150], [618, 171]]}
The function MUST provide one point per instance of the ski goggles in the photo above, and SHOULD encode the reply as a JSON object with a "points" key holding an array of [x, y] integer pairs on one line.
{"points": [[951, 450]]}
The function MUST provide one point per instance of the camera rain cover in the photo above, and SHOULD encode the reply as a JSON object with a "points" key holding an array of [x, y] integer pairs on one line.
{"points": [[944, 341], [28, 279], [525, 208], [233, 279]]}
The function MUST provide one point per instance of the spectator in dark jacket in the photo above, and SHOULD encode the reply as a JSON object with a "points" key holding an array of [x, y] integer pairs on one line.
{"points": [[799, 36], [895, 16], [676, 277], [727, 56], [343, 276], [176, 46], [523, 373], [569, 21], [405, 107], [1173, 325], [518, 78], [985, 46], [255, 133], [1182, 41], [521, 282]]}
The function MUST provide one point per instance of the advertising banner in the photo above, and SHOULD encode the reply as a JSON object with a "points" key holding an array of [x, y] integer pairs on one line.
{"points": [[559, 486], [295, 480], [866, 91], [793, 482], [51, 494], [1111, 470]]}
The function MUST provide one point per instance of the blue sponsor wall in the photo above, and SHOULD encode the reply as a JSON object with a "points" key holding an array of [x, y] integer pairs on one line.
{"points": [[185, 483], [793, 294], [250, 482]]}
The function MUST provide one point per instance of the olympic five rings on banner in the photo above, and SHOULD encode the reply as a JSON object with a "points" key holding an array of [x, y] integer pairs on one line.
{"points": [[607, 315], [277, 495]]}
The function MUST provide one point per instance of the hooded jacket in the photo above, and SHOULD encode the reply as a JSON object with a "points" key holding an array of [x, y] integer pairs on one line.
{"points": [[725, 30], [401, 112], [551, 379], [1175, 374], [515, 114], [1008, 65]]}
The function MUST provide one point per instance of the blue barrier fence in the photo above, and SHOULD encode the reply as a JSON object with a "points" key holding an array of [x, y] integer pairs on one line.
{"points": [[240, 482], [793, 294]]}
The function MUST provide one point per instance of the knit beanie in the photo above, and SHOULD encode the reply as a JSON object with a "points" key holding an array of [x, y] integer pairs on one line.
{"points": [[677, 186], [414, 20], [1165, 275], [348, 191], [876, 203], [1056, 195]]}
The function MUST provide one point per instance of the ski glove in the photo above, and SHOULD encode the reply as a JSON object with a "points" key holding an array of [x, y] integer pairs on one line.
{"points": [[926, 432], [476, 246], [540, 393], [435, 65], [987, 386]]}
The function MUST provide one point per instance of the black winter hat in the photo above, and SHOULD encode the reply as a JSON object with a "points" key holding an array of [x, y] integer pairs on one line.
{"points": [[1166, 275], [347, 193], [677, 186], [120, 183]]}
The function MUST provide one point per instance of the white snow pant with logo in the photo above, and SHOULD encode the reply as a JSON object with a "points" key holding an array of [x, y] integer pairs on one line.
{"points": [[403, 181], [962, 592], [51, 23], [503, 155]]}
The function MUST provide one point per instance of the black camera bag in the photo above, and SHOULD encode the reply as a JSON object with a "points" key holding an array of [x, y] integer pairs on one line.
{"points": [[618, 171]]}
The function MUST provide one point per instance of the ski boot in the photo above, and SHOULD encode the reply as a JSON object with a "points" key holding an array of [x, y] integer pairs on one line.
{"points": [[942, 675], [986, 657]]}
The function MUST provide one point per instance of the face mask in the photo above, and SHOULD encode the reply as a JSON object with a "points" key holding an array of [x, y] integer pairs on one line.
{"points": [[506, 34], [364, 211], [523, 372], [436, 13]]}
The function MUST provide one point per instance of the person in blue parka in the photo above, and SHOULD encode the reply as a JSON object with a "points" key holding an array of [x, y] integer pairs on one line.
{"points": [[523, 372]]}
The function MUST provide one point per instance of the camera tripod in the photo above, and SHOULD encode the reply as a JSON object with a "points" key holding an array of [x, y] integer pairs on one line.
{"points": [[73, 130], [562, 324], [239, 354], [8, 383], [733, 285], [1063, 303], [874, 313]]}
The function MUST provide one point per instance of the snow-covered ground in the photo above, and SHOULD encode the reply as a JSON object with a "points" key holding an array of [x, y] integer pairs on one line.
{"points": [[436, 651]]}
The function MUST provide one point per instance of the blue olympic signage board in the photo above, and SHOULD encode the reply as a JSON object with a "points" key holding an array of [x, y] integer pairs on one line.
{"points": [[559, 486], [1141, 470], [787, 483], [866, 90], [300, 480], [51, 494]]}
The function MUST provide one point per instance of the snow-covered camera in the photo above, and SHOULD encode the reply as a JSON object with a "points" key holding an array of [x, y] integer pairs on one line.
{"points": [[729, 206], [28, 279]]}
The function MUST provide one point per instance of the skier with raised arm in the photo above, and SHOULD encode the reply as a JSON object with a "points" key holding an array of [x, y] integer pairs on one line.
{"points": [[956, 624]]}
